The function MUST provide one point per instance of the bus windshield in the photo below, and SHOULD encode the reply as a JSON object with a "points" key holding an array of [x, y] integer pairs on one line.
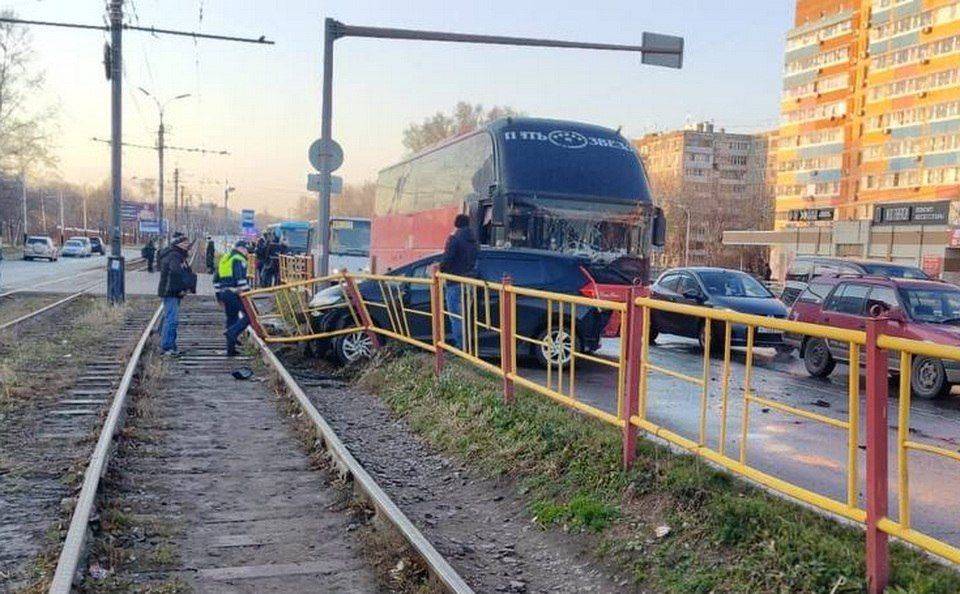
{"points": [[349, 237], [542, 158]]}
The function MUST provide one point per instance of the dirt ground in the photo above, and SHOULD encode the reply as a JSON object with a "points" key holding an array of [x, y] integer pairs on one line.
{"points": [[19, 304], [57, 374], [480, 525]]}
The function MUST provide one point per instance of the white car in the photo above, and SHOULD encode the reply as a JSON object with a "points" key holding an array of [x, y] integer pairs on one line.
{"points": [[76, 247], [40, 247]]}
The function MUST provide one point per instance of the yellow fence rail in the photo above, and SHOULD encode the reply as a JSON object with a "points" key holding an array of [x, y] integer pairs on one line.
{"points": [[492, 324], [295, 268]]}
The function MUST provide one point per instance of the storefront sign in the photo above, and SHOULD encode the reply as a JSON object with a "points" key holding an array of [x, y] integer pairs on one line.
{"points": [[811, 214], [924, 213]]}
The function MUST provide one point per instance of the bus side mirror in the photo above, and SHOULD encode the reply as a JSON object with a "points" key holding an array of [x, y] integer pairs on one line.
{"points": [[498, 214], [659, 227]]}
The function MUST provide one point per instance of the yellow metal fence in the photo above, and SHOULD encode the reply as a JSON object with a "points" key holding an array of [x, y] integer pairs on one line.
{"points": [[485, 316]]}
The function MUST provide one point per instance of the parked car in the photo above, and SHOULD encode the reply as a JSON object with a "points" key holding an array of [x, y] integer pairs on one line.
{"points": [[536, 269], [75, 248], [718, 288], [40, 247], [923, 310], [806, 268], [96, 245]]}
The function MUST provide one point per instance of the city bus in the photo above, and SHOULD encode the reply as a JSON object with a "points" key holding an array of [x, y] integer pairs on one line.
{"points": [[349, 241], [525, 182]]}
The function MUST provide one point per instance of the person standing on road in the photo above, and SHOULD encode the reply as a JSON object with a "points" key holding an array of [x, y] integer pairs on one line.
{"points": [[229, 281], [176, 279], [459, 258], [148, 252], [210, 255]]}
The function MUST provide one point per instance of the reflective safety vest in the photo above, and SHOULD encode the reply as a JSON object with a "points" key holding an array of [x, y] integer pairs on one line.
{"points": [[225, 269]]}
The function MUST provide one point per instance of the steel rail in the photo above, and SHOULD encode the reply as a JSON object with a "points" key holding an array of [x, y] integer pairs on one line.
{"points": [[437, 564], [73, 545], [50, 306]]}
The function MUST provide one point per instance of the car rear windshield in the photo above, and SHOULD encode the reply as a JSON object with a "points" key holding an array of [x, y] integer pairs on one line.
{"points": [[932, 305], [36, 241], [894, 271], [74, 243], [729, 283]]}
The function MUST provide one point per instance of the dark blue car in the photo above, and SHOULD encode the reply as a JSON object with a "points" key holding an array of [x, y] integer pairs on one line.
{"points": [[534, 269], [718, 288]]}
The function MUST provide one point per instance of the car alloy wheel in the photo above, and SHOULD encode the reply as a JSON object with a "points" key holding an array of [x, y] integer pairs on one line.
{"points": [[557, 347], [356, 346]]}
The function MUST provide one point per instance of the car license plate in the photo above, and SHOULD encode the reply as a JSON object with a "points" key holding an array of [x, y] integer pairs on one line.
{"points": [[762, 330]]}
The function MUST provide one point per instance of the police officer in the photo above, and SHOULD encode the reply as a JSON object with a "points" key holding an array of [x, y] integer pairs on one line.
{"points": [[229, 281]]}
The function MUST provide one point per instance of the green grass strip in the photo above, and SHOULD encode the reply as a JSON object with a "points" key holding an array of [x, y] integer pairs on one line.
{"points": [[725, 535]]}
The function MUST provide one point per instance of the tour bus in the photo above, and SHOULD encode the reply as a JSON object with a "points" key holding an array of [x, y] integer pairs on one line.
{"points": [[349, 241], [525, 182]]}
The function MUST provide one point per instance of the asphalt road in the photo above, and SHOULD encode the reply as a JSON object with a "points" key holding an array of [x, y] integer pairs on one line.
{"points": [[804, 452], [64, 275]]}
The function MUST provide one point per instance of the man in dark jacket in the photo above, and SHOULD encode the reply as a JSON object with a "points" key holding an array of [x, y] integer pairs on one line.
{"points": [[459, 258], [229, 281], [210, 255], [175, 282], [148, 252]]}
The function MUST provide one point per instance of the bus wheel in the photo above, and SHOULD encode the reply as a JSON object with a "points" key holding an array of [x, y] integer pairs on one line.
{"points": [[349, 348]]}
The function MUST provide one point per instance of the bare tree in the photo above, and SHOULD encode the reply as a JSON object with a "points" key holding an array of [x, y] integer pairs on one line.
{"points": [[26, 130], [464, 118]]}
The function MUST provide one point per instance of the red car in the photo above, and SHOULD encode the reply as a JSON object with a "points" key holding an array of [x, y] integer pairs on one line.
{"points": [[921, 309]]}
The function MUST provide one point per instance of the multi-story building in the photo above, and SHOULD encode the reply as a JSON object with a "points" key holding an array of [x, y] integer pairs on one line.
{"points": [[868, 162], [707, 181]]}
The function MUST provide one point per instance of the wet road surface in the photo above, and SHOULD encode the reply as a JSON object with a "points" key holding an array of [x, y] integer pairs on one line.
{"points": [[805, 452]]}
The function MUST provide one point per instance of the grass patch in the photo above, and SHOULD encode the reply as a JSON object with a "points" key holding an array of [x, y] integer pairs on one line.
{"points": [[723, 534]]}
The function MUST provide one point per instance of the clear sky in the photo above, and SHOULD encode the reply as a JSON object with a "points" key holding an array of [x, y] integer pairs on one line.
{"points": [[262, 103]]}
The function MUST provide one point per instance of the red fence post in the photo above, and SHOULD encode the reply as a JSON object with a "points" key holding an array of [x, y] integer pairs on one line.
{"points": [[631, 396], [357, 300], [878, 561], [507, 326], [437, 321]]}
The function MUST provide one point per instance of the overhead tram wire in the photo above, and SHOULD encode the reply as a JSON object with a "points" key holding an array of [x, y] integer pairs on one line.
{"points": [[154, 30], [166, 147]]}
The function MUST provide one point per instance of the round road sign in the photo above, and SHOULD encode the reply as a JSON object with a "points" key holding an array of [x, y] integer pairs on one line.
{"points": [[330, 149]]}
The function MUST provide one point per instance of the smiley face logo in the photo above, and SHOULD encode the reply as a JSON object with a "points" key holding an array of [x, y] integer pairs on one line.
{"points": [[567, 139]]}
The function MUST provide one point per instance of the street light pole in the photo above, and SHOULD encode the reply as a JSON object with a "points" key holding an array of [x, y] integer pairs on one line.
{"points": [[160, 148], [656, 50]]}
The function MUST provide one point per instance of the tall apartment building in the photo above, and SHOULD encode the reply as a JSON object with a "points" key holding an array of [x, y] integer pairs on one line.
{"points": [[712, 179], [868, 162]]}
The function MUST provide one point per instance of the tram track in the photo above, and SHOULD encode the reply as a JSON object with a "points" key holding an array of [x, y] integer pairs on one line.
{"points": [[60, 302], [216, 491]]}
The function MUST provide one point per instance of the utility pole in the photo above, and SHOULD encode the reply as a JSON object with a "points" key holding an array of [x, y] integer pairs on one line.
{"points": [[176, 196], [226, 213], [23, 200], [115, 265], [61, 217], [43, 213]]}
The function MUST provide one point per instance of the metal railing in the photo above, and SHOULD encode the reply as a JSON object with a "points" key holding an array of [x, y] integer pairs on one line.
{"points": [[487, 335], [295, 268]]}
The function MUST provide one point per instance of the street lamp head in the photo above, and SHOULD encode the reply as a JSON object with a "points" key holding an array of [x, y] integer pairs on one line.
{"points": [[145, 92], [184, 96]]}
